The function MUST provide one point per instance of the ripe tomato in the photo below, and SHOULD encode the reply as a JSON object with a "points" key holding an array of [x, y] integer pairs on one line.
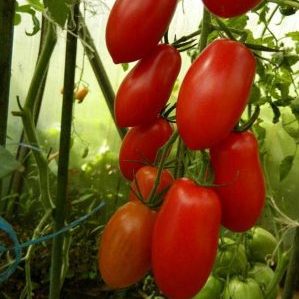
{"points": [[135, 27], [185, 239], [242, 289], [230, 8], [239, 174], [214, 93], [140, 146], [146, 89], [145, 178], [125, 247]]}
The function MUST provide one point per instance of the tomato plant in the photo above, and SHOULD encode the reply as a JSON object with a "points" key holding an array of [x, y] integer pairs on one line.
{"points": [[140, 146], [243, 289], [125, 246], [135, 27], [214, 93], [230, 8], [185, 239], [144, 182], [239, 179], [146, 89]]}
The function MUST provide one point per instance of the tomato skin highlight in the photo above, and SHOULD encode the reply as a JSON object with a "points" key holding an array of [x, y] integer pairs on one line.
{"points": [[230, 8], [239, 174], [214, 93], [125, 247], [147, 87], [134, 28], [185, 239], [140, 146], [145, 178]]}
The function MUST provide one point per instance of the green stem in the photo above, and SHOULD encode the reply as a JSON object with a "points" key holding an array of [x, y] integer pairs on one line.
{"points": [[293, 269], [27, 115], [99, 71], [206, 29], [27, 292], [64, 153], [278, 275], [286, 2], [7, 12], [17, 179], [179, 169], [165, 151]]}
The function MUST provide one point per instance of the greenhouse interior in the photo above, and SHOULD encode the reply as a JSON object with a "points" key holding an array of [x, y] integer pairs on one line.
{"points": [[149, 149]]}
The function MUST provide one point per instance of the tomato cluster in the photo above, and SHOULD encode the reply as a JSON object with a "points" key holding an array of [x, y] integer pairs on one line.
{"points": [[172, 225]]}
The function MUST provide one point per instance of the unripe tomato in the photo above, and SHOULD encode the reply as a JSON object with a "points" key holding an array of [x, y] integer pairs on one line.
{"points": [[240, 180], [185, 239], [263, 275], [231, 259], [214, 93], [125, 246], [147, 87], [261, 244], [144, 182], [230, 8], [140, 146], [135, 27], [212, 289], [242, 289]]}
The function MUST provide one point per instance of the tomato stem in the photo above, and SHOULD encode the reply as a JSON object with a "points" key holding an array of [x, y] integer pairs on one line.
{"points": [[206, 29], [164, 153], [99, 71], [58, 250], [286, 2], [292, 273], [28, 111]]}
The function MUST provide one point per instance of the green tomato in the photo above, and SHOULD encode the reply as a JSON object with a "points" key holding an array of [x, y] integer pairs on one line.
{"points": [[231, 259], [212, 289], [247, 289], [261, 244], [263, 275]]}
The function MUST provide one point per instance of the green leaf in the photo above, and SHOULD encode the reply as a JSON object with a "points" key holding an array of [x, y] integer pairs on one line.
{"points": [[8, 164], [28, 9], [285, 167], [17, 19], [58, 10], [36, 4], [125, 66], [294, 35], [255, 94]]}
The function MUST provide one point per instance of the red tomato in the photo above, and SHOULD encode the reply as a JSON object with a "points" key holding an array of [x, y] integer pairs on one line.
{"points": [[146, 89], [125, 246], [135, 27], [140, 146], [185, 239], [230, 8], [214, 93], [239, 173], [145, 178]]}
